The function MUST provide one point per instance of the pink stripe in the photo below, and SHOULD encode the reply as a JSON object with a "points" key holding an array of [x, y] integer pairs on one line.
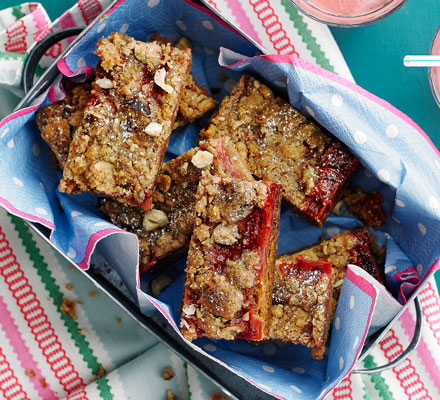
{"points": [[210, 13], [41, 21], [22, 351], [425, 355], [165, 314], [115, 6], [93, 241], [278, 58], [67, 21], [65, 70], [361, 283], [242, 19], [19, 113], [24, 215]]}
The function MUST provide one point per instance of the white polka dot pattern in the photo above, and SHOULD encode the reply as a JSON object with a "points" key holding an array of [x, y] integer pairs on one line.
{"points": [[337, 100], [360, 137], [268, 368], [392, 131], [208, 25]]}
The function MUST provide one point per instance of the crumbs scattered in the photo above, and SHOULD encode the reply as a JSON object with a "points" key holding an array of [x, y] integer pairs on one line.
{"points": [[83, 331], [69, 286], [118, 320], [93, 294], [30, 372], [67, 307], [71, 268], [101, 372], [168, 373], [171, 395], [219, 396], [43, 382]]}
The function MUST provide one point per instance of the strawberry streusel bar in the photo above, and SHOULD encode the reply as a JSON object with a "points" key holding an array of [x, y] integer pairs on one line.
{"points": [[118, 150]]}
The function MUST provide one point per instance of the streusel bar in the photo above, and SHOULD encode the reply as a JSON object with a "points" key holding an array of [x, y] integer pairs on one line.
{"points": [[118, 149], [283, 146], [167, 227], [229, 274], [301, 302]]}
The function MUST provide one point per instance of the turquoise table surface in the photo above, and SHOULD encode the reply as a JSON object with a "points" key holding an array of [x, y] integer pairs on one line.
{"points": [[374, 55]]}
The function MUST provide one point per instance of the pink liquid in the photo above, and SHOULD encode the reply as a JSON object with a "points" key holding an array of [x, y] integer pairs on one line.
{"points": [[348, 12], [348, 8]]}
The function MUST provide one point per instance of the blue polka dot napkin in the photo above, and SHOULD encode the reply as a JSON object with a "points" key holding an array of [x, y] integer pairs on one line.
{"points": [[398, 160]]}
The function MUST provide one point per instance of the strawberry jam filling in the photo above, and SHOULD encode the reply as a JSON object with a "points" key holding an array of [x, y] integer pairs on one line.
{"points": [[361, 255], [369, 210], [255, 235], [302, 267], [335, 170]]}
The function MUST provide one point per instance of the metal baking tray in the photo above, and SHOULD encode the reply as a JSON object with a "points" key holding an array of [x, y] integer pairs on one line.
{"points": [[111, 284]]}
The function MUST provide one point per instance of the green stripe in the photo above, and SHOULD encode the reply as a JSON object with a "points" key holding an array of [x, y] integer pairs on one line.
{"points": [[7, 55], [307, 36], [39, 71], [376, 378], [57, 297], [185, 365], [17, 13]]}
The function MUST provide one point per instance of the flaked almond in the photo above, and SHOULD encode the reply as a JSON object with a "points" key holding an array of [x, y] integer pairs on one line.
{"points": [[202, 159], [189, 309], [154, 219], [103, 171], [245, 317], [104, 83], [186, 325], [153, 129], [226, 234], [159, 80]]}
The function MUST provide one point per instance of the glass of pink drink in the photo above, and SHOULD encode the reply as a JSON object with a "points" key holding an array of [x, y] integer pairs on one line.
{"points": [[434, 72], [348, 13]]}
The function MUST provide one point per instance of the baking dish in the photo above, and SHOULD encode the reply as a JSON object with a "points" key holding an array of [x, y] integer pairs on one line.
{"points": [[44, 83]]}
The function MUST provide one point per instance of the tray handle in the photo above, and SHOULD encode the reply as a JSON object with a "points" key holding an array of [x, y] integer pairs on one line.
{"points": [[38, 51], [407, 352]]}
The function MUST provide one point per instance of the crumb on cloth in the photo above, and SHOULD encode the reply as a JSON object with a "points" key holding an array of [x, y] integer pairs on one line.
{"points": [[168, 374], [67, 307]]}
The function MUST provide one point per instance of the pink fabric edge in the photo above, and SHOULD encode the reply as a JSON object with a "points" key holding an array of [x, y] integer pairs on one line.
{"points": [[9, 207], [93, 241], [66, 71], [51, 95], [115, 7], [19, 113], [361, 283], [297, 62]]}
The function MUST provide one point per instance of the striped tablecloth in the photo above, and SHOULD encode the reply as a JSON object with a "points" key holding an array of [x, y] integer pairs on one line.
{"points": [[60, 337]]}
